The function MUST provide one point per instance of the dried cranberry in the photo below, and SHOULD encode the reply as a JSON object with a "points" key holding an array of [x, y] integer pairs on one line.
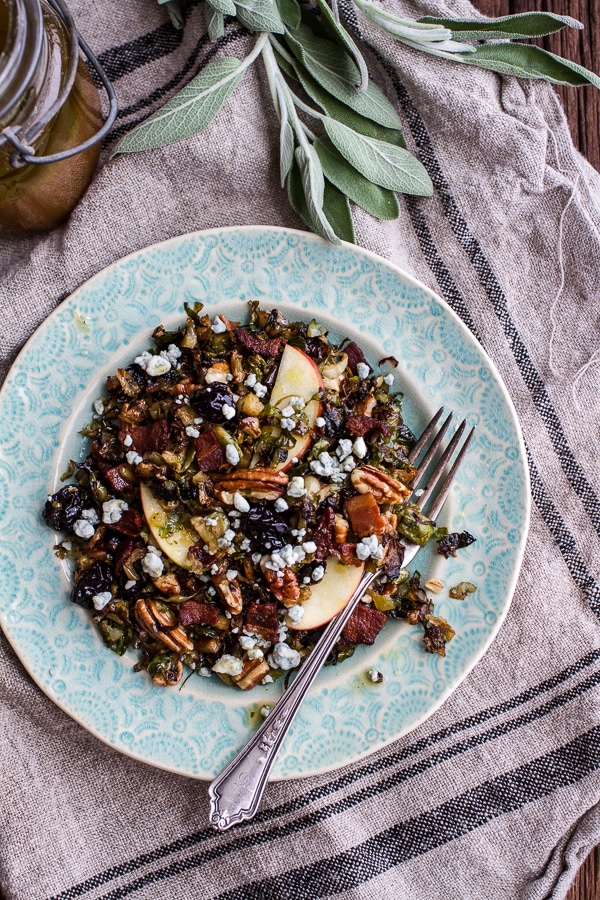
{"points": [[64, 507], [266, 529], [95, 580], [210, 401]]}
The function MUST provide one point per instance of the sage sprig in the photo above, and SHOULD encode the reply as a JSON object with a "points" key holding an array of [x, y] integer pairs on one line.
{"points": [[341, 139]]}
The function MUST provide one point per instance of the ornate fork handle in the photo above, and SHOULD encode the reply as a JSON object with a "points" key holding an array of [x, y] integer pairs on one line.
{"points": [[235, 794]]}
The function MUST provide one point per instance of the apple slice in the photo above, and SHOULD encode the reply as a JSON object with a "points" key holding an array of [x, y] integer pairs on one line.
{"points": [[328, 596], [174, 541], [297, 376]]}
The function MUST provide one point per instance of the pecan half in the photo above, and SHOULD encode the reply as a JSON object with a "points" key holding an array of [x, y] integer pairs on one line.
{"points": [[283, 584], [229, 592], [340, 529], [385, 489], [254, 671], [260, 483], [168, 584], [159, 622]]}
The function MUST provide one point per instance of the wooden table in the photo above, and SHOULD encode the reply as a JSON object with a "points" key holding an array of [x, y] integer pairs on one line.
{"points": [[582, 106]]}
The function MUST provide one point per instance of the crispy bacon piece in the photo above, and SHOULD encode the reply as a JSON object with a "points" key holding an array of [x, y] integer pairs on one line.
{"points": [[364, 624], [130, 523], [146, 438], [209, 453], [324, 534], [364, 514], [117, 482], [347, 554], [360, 425], [264, 346], [355, 356], [122, 552], [261, 618], [192, 612]]}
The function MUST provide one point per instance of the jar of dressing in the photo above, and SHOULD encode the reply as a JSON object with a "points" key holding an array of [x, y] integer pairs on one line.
{"points": [[50, 115]]}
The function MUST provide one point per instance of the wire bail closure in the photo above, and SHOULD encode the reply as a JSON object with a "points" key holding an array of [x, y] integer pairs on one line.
{"points": [[24, 153]]}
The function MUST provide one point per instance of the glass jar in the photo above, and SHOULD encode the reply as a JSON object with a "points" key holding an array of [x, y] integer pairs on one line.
{"points": [[50, 116]]}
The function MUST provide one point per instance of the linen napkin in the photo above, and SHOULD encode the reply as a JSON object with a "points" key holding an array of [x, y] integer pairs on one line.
{"points": [[496, 794]]}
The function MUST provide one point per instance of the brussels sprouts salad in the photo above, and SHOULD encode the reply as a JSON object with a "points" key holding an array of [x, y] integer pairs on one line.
{"points": [[239, 480]]}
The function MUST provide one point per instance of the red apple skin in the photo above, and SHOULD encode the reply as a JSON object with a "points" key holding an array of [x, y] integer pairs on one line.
{"points": [[298, 376], [329, 596]]}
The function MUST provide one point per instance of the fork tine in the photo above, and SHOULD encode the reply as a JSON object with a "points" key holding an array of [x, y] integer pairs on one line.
{"points": [[422, 467], [440, 465], [447, 484], [416, 450]]}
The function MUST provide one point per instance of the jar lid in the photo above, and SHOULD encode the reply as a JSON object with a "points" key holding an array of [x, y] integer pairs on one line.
{"points": [[20, 55]]}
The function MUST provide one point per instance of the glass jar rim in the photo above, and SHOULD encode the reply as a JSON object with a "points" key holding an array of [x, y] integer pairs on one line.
{"points": [[20, 58]]}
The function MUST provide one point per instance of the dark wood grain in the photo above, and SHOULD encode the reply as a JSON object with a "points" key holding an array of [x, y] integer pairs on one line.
{"points": [[587, 883], [582, 105]]}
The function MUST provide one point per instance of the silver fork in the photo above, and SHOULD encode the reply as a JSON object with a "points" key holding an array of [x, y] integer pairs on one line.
{"points": [[236, 793]]}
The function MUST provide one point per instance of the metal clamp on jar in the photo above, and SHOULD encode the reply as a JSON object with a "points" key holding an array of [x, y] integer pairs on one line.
{"points": [[50, 115]]}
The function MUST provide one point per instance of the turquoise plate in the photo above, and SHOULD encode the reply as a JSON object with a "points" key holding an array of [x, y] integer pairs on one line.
{"points": [[196, 729]]}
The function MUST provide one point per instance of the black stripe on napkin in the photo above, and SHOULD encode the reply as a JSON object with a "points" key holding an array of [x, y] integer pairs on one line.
{"points": [[453, 819], [448, 286], [575, 474], [368, 769], [404, 841], [126, 58]]}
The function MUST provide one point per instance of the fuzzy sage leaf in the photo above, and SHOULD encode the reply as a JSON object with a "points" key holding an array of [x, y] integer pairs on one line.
{"points": [[290, 12], [384, 164], [378, 201], [215, 22], [343, 113], [335, 72], [521, 25], [337, 211], [313, 185], [225, 7], [259, 16], [529, 61], [190, 111], [362, 157], [341, 36]]}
